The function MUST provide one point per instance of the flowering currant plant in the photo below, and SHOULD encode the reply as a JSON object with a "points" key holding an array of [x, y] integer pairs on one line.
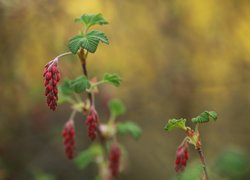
{"points": [[106, 151], [192, 138]]}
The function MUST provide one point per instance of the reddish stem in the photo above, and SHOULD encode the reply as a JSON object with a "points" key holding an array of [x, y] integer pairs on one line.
{"points": [[85, 72]]}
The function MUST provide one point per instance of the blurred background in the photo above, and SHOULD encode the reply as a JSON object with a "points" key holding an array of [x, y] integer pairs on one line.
{"points": [[177, 58]]}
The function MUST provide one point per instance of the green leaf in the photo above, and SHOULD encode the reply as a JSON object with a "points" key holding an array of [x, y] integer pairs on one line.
{"points": [[89, 41], [113, 79], [91, 19], [66, 87], [129, 127], [88, 156], [175, 123], [92, 39], [75, 43], [64, 91], [116, 107], [80, 84], [205, 117]]}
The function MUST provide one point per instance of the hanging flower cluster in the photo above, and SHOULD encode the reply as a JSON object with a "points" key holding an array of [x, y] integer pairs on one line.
{"points": [[181, 157], [114, 159], [69, 138], [51, 78], [92, 123]]}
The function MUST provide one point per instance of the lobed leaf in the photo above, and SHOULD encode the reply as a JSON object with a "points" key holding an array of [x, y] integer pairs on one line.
{"points": [[205, 117], [129, 127], [91, 19], [116, 107], [80, 84], [113, 79], [89, 41], [88, 156], [75, 43], [175, 123]]}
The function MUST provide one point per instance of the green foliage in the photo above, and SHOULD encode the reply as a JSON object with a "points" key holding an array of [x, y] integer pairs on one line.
{"points": [[68, 87], [129, 127], [192, 172], [113, 79], [175, 123], [40, 175], [88, 156], [64, 91], [80, 84], [232, 164], [88, 41], [116, 107], [205, 117], [91, 19]]}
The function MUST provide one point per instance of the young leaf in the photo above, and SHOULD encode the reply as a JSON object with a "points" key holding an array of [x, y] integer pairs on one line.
{"points": [[113, 79], [87, 156], [80, 84], [205, 117], [91, 19], [116, 107], [89, 41], [175, 123], [129, 127]]}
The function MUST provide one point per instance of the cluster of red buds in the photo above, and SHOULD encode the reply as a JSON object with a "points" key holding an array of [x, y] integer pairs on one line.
{"points": [[51, 78], [181, 157], [92, 123], [69, 139], [114, 159]]}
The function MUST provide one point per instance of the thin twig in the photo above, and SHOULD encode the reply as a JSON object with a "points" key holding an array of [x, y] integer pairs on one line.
{"points": [[64, 54], [202, 158], [72, 115]]}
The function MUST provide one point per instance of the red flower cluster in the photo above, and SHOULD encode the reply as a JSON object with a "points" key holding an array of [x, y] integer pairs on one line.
{"points": [[69, 139], [92, 122], [114, 159], [181, 158], [51, 78]]}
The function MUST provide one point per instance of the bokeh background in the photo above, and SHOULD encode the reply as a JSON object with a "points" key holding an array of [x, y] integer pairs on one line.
{"points": [[177, 58]]}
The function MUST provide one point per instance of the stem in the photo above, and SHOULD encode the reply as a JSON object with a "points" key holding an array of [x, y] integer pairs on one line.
{"points": [[72, 115], [83, 57], [57, 59], [64, 54], [98, 83], [202, 158]]}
